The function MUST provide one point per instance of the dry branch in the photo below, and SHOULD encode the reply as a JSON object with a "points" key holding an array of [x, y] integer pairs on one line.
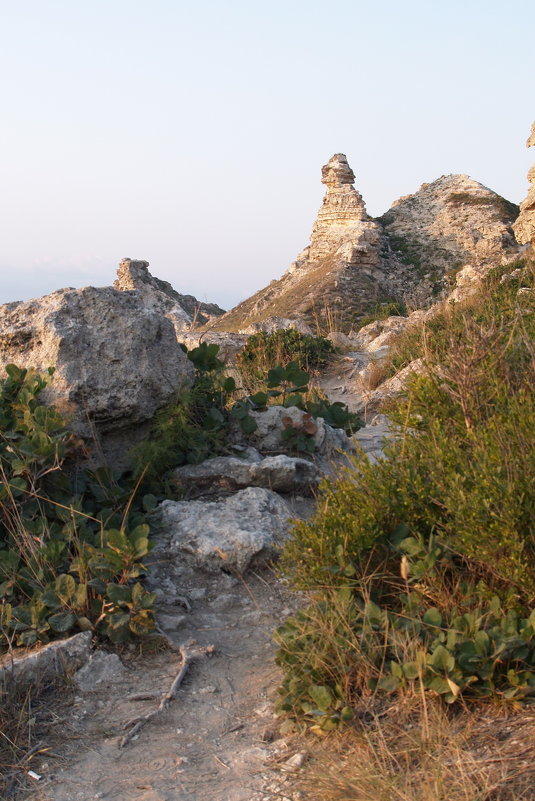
{"points": [[138, 723]]}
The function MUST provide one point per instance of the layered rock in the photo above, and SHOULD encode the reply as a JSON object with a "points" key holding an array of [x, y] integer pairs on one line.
{"points": [[184, 311], [116, 361], [525, 225], [338, 271], [410, 253], [279, 473]]}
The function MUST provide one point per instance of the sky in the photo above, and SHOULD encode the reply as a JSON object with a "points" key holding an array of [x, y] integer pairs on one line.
{"points": [[192, 134]]}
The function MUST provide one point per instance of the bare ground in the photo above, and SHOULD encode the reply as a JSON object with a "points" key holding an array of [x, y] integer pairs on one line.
{"points": [[218, 740]]}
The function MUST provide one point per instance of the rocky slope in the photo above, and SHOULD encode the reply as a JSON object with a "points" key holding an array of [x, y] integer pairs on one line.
{"points": [[354, 261]]}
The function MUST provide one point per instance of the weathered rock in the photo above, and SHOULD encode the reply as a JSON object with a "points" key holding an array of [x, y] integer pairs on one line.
{"points": [[276, 419], [468, 282], [280, 473], [412, 251], [340, 340], [373, 401], [525, 225], [223, 534], [375, 335], [447, 224], [116, 362], [373, 437], [101, 667], [54, 659], [229, 344], [184, 311], [276, 324], [339, 269]]}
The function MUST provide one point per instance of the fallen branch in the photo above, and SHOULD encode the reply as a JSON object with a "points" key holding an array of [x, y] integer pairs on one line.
{"points": [[187, 658]]}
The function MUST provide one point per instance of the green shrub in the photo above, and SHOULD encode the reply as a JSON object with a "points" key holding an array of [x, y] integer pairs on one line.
{"points": [[70, 548], [263, 351], [345, 644], [459, 478]]}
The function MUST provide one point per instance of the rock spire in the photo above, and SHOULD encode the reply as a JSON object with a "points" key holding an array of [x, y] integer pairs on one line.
{"points": [[524, 227], [338, 269]]}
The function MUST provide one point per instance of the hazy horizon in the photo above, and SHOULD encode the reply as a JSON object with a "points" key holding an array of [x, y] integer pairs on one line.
{"points": [[193, 136]]}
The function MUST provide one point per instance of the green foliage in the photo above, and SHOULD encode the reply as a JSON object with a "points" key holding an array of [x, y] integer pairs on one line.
{"points": [[191, 427], [345, 643], [455, 496], [67, 547], [262, 351]]}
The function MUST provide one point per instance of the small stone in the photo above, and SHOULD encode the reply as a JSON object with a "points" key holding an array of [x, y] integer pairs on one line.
{"points": [[102, 666], [170, 622], [295, 762]]}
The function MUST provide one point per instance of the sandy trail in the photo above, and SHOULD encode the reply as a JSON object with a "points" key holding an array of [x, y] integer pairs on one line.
{"points": [[218, 741]]}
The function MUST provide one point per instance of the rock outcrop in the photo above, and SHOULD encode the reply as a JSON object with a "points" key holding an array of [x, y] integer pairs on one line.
{"points": [[411, 252], [184, 311], [279, 473], [338, 271], [525, 224], [448, 224], [116, 361]]}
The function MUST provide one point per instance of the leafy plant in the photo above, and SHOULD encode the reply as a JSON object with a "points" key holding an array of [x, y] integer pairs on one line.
{"points": [[68, 544], [452, 502], [263, 351]]}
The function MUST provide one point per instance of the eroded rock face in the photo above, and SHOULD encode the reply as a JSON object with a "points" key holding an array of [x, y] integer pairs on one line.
{"points": [[411, 252], [184, 311], [116, 360], [223, 534], [525, 224], [340, 269]]}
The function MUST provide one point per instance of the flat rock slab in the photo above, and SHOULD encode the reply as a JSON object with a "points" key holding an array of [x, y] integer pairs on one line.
{"points": [[280, 473], [101, 667]]}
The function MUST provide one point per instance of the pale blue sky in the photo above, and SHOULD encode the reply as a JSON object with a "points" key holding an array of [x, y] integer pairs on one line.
{"points": [[192, 134]]}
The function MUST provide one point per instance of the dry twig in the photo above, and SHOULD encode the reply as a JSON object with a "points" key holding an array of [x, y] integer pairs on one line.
{"points": [[138, 723]]}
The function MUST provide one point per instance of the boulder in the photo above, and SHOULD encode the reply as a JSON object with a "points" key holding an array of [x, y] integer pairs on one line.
{"points": [[116, 361], [229, 533], [271, 424], [375, 335], [373, 401], [228, 473]]}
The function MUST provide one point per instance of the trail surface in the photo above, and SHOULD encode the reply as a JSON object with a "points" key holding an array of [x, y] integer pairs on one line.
{"points": [[218, 740]]}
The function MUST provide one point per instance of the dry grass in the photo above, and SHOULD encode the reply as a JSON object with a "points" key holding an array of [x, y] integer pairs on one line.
{"points": [[372, 376], [406, 753], [27, 717]]}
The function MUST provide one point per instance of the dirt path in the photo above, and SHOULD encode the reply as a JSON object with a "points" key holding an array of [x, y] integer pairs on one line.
{"points": [[218, 741]]}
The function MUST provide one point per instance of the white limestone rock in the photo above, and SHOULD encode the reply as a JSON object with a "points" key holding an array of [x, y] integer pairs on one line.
{"points": [[272, 422], [224, 534], [116, 361], [525, 225]]}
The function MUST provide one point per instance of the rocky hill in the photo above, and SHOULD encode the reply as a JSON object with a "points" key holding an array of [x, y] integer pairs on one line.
{"points": [[410, 253]]}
